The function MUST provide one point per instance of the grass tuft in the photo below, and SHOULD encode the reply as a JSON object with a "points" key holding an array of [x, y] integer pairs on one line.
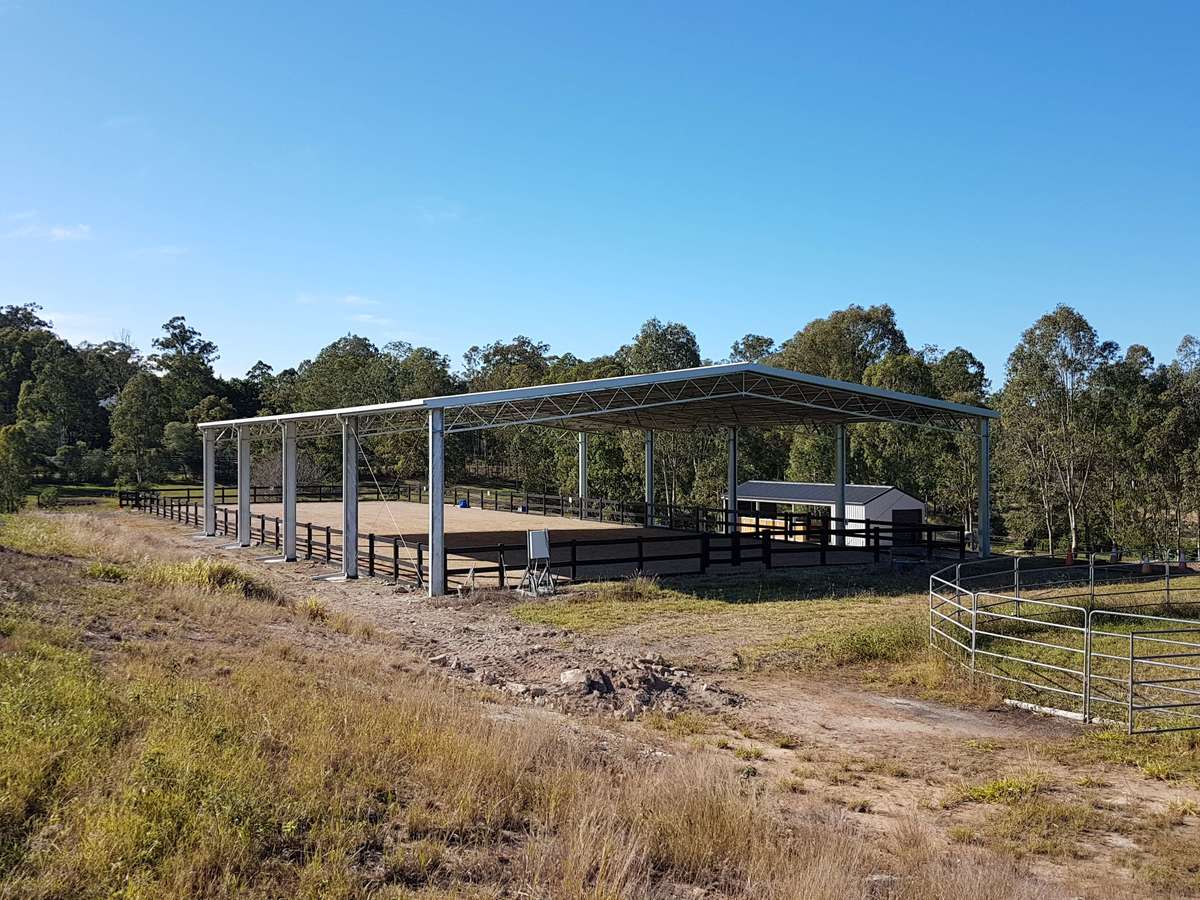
{"points": [[106, 571], [209, 576], [313, 609], [1008, 790]]}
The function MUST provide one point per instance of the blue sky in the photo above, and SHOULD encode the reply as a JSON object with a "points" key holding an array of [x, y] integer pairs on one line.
{"points": [[449, 174]]}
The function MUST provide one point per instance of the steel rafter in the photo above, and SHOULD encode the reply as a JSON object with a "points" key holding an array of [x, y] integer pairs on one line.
{"points": [[687, 400]]}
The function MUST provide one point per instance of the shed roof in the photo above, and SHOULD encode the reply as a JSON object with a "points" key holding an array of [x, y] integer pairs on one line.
{"points": [[732, 394], [812, 492]]}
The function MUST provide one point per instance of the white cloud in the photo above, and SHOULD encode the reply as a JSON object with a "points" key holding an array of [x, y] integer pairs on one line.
{"points": [[29, 227], [356, 300], [372, 319], [164, 251]]}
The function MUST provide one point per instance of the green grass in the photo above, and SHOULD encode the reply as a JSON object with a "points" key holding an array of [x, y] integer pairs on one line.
{"points": [[1007, 790], [209, 576], [845, 643], [106, 571], [770, 624]]}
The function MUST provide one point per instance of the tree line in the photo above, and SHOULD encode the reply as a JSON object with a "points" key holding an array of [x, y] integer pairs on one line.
{"points": [[1096, 446]]}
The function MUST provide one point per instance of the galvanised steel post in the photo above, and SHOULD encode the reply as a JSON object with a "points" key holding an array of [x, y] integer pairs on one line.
{"points": [[1087, 667], [974, 628], [985, 489], [243, 485], [288, 459], [583, 474], [1129, 722], [731, 488], [839, 475], [437, 507], [648, 449], [209, 450], [349, 497]]}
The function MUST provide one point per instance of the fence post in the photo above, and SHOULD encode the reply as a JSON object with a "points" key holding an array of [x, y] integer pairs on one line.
{"points": [[974, 629], [704, 552], [500, 563], [736, 549], [1087, 667], [420, 564], [766, 550], [396, 560], [1017, 583], [276, 532], [1129, 722], [824, 544], [641, 555], [574, 558], [875, 542], [328, 543], [929, 542], [371, 554], [308, 540], [1167, 571]]}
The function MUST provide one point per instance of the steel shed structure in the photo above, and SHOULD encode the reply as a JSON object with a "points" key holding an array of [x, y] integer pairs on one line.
{"points": [[864, 503], [723, 396]]}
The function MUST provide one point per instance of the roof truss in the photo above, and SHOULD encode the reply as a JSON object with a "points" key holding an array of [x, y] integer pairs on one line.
{"points": [[687, 400]]}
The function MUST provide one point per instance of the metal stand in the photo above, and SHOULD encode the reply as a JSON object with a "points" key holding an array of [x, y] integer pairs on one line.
{"points": [[538, 581]]}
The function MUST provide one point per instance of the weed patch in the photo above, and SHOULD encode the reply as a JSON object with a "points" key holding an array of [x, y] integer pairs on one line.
{"points": [[1008, 790], [209, 576]]}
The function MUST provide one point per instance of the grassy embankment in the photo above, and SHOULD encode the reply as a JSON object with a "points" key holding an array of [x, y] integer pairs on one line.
{"points": [[175, 727]]}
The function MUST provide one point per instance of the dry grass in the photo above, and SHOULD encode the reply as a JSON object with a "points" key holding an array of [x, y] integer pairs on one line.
{"points": [[170, 767]]}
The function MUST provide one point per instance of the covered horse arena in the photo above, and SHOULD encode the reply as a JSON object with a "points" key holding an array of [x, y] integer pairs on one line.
{"points": [[439, 544]]}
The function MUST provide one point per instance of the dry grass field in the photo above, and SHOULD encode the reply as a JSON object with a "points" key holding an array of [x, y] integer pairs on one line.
{"points": [[182, 720]]}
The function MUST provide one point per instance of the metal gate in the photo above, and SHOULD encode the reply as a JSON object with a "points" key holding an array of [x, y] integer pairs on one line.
{"points": [[1117, 643]]}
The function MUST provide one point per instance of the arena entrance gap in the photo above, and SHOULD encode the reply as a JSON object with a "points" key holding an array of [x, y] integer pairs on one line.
{"points": [[728, 396]]}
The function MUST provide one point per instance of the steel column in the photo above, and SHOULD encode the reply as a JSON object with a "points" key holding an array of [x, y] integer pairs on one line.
{"points": [[350, 497], [583, 469], [731, 488], [243, 485], [437, 509], [209, 450], [648, 447], [289, 491], [839, 476], [985, 489]]}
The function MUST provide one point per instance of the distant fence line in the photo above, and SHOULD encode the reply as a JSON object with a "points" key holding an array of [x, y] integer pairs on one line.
{"points": [[580, 559]]}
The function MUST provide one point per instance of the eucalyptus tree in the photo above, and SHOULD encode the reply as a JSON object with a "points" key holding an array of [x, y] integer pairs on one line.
{"points": [[960, 377], [138, 420], [842, 345], [1052, 416]]}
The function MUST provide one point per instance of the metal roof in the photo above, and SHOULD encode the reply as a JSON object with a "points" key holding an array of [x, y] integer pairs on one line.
{"points": [[732, 394], [812, 492]]}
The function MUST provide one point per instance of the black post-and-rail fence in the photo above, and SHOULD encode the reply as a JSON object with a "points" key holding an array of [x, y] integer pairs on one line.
{"points": [[699, 542]]}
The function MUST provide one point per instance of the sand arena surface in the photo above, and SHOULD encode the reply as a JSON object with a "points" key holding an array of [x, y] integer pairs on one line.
{"points": [[477, 535], [464, 527]]}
